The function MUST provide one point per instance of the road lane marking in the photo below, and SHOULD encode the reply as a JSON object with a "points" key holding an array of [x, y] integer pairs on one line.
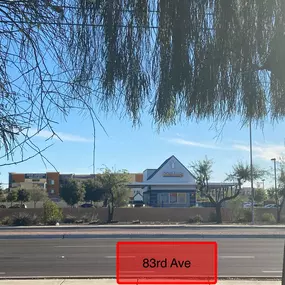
{"points": [[267, 271], [113, 256], [82, 246], [236, 257]]}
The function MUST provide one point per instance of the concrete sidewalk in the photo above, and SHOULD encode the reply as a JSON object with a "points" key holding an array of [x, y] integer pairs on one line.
{"points": [[198, 233], [113, 282]]}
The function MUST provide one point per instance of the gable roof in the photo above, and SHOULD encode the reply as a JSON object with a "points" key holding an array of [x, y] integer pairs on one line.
{"points": [[164, 163]]}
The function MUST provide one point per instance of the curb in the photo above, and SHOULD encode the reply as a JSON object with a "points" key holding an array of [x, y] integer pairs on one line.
{"points": [[142, 236], [222, 278]]}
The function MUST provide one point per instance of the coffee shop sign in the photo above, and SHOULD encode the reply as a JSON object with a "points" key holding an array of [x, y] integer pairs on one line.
{"points": [[172, 174]]}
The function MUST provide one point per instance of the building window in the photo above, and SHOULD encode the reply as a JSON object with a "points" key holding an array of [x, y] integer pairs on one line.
{"points": [[181, 198], [177, 198], [173, 198], [164, 198], [51, 182], [52, 191]]}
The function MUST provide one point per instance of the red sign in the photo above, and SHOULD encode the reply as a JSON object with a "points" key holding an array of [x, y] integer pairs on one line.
{"points": [[167, 262]]}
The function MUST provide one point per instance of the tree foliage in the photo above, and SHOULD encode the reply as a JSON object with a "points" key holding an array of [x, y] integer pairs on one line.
{"points": [[2, 196], [260, 195], [242, 171], [93, 192], [23, 196], [52, 213], [205, 59], [211, 59], [278, 194], [37, 195], [12, 196], [217, 194], [72, 192], [116, 191]]}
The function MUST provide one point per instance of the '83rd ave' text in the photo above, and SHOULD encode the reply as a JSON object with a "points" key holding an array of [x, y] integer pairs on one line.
{"points": [[165, 263]]}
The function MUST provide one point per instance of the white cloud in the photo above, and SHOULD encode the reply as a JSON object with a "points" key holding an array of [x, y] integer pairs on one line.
{"points": [[263, 151], [193, 143], [63, 136]]}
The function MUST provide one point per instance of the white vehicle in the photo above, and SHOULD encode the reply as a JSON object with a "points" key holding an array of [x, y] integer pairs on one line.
{"points": [[270, 206]]}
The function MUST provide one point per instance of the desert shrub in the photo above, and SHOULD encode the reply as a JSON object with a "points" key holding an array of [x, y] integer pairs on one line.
{"points": [[86, 219], [236, 207], [191, 220], [52, 213], [6, 221], [94, 219], [268, 218], [24, 219], [246, 216], [212, 217], [68, 219], [198, 219]]}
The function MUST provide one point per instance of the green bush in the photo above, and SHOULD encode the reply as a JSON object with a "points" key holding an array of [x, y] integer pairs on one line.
{"points": [[268, 218], [52, 213], [212, 217], [247, 214], [24, 219]]}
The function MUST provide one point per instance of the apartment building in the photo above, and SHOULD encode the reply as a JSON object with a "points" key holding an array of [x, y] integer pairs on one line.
{"points": [[51, 181], [48, 181]]}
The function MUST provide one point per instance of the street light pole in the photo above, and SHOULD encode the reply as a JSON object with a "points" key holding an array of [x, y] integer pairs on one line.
{"points": [[275, 184], [251, 173]]}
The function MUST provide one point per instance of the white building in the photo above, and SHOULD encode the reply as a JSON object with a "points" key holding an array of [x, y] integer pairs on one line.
{"points": [[170, 185]]}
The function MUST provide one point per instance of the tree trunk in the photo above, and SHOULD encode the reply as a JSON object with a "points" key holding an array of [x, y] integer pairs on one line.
{"points": [[219, 213], [110, 213], [278, 215], [111, 209]]}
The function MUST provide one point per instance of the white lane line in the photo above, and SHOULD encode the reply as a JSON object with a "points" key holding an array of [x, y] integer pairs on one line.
{"points": [[82, 246], [236, 257], [267, 271], [127, 256]]}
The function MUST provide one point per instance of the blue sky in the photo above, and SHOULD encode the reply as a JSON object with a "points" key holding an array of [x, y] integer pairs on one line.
{"points": [[136, 149]]}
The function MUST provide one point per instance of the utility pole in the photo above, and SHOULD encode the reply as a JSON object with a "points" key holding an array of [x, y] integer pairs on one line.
{"points": [[283, 269], [275, 186], [251, 173]]}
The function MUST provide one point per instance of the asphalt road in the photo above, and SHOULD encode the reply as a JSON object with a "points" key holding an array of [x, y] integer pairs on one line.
{"points": [[96, 257]]}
